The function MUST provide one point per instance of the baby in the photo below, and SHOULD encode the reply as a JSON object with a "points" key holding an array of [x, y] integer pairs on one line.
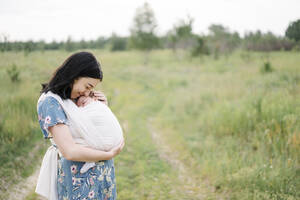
{"points": [[81, 99], [105, 122]]}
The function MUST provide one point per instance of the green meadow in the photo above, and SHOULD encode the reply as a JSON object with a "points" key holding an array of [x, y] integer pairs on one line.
{"points": [[195, 128]]}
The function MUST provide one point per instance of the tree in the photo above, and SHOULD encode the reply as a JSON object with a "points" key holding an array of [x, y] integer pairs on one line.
{"points": [[82, 44], [181, 35], [118, 43], [69, 45], [143, 35], [40, 45], [99, 43], [221, 40], [29, 46], [258, 41], [293, 30], [200, 48], [4, 43]]}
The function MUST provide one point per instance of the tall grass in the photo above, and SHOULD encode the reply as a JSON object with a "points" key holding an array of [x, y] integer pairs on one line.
{"points": [[242, 127], [227, 121]]}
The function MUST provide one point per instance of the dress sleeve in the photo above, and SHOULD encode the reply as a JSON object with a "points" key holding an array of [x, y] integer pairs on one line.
{"points": [[50, 113]]}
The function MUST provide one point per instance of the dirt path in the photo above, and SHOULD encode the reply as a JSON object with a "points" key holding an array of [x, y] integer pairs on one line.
{"points": [[25, 187], [193, 187], [197, 189]]}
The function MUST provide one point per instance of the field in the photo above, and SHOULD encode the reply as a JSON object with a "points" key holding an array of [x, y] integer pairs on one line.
{"points": [[195, 128]]}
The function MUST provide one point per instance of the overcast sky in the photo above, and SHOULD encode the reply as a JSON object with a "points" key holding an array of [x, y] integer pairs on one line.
{"points": [[89, 19]]}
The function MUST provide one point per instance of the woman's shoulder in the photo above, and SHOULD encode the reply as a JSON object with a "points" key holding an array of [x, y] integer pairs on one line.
{"points": [[47, 100], [49, 105], [50, 113]]}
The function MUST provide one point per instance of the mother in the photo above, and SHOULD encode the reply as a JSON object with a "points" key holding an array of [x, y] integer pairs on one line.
{"points": [[60, 176]]}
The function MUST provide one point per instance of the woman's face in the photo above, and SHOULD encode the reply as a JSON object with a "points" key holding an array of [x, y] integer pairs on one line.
{"points": [[83, 86]]}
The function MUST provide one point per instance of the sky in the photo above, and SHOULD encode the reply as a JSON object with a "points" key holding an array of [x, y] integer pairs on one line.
{"points": [[57, 19]]}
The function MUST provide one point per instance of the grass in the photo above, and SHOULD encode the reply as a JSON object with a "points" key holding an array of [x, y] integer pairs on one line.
{"points": [[227, 121]]}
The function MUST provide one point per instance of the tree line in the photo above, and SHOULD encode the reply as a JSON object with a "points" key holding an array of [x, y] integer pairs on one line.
{"points": [[219, 41]]}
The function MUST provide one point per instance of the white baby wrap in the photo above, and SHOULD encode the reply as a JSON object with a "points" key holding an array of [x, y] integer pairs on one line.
{"points": [[93, 125]]}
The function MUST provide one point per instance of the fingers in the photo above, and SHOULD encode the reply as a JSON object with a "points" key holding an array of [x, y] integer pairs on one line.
{"points": [[120, 146], [123, 144], [91, 93], [98, 93], [116, 150], [100, 96], [85, 101], [95, 98]]}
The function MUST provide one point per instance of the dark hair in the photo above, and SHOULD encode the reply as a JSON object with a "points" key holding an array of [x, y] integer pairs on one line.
{"points": [[81, 64]]}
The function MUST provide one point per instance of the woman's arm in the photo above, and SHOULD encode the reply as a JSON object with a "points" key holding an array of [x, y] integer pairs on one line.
{"points": [[72, 151]]}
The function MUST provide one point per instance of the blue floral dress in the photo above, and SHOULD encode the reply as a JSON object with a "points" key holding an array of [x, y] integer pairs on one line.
{"points": [[97, 183]]}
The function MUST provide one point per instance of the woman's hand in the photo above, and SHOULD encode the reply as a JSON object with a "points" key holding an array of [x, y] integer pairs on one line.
{"points": [[116, 150], [98, 95]]}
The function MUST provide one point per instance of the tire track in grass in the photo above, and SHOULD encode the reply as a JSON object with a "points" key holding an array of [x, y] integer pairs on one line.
{"points": [[197, 189], [26, 186]]}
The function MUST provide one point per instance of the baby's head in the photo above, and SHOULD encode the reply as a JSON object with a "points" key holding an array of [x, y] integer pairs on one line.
{"points": [[82, 99]]}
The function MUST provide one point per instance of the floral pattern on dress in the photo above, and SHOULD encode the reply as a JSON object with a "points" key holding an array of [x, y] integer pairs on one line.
{"points": [[98, 182], [50, 113]]}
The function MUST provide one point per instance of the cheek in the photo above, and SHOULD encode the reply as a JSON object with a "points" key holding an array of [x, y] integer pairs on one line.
{"points": [[74, 90], [78, 89]]}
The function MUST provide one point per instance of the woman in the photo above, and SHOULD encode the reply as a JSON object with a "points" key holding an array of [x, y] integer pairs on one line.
{"points": [[76, 77]]}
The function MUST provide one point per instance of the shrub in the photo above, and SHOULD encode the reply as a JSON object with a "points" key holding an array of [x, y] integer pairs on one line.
{"points": [[118, 44], [200, 48], [14, 73], [266, 68]]}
